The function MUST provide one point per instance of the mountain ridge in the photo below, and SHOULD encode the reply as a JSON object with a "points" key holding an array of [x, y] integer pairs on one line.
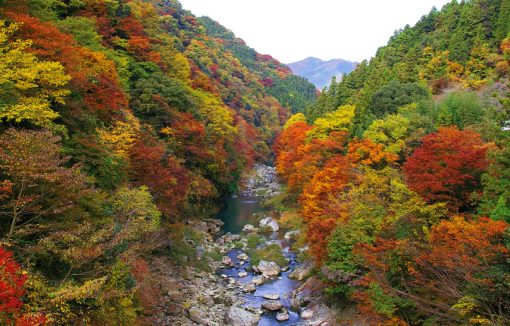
{"points": [[320, 72]]}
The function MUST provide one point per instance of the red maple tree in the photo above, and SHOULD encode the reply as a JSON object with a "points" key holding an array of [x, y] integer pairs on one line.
{"points": [[447, 166]]}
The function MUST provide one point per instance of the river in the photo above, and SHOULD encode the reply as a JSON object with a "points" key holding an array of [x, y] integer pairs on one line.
{"points": [[247, 210]]}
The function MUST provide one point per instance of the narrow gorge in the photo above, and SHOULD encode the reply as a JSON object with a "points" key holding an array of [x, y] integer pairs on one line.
{"points": [[255, 276], [157, 170]]}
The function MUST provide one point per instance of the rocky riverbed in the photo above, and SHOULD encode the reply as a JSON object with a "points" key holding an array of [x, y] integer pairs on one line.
{"points": [[235, 291]]}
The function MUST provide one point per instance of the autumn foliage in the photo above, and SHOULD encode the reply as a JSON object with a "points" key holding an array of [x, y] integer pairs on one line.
{"points": [[120, 120], [93, 76], [447, 166], [389, 206], [454, 265], [162, 173], [12, 281], [317, 201]]}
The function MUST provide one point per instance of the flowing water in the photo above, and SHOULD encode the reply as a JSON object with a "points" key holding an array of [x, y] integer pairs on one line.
{"points": [[237, 213]]}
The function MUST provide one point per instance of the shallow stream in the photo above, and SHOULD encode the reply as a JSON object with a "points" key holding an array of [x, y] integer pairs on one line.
{"points": [[237, 213]]}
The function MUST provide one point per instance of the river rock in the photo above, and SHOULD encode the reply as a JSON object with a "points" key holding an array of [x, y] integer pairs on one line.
{"points": [[242, 274], [248, 228], [206, 300], [273, 225], [239, 317], [258, 280], [302, 271], [243, 256], [270, 296], [268, 268], [291, 236], [198, 225], [250, 287], [229, 237], [307, 314], [272, 305], [282, 315], [199, 252], [299, 299], [213, 225], [227, 261], [198, 316], [265, 221]]}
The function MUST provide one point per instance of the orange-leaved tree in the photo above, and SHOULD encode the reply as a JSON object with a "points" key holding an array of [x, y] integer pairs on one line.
{"points": [[317, 202]]}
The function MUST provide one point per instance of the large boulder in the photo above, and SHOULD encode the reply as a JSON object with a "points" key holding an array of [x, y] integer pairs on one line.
{"points": [[240, 317], [258, 280], [229, 237], [268, 268], [213, 225], [271, 296], [249, 288], [307, 314], [273, 225], [302, 271], [299, 299], [243, 256], [269, 223], [291, 236], [272, 305], [198, 225]]}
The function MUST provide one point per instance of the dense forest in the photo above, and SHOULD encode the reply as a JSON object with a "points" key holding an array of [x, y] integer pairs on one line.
{"points": [[123, 120], [401, 173], [118, 120]]}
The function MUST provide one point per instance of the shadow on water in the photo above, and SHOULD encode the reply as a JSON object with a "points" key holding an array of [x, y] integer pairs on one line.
{"points": [[237, 212]]}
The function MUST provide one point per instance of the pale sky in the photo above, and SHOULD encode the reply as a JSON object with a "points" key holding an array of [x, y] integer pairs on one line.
{"points": [[291, 30]]}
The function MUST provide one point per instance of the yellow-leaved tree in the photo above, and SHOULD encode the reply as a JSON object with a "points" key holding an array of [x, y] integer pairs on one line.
{"points": [[339, 120], [390, 132], [298, 117], [122, 135], [218, 117], [28, 86]]}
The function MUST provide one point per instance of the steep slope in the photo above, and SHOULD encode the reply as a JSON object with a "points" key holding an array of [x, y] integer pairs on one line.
{"points": [[457, 46], [119, 120], [400, 174], [290, 90], [320, 72]]}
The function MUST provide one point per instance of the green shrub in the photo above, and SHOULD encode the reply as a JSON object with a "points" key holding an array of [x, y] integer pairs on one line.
{"points": [[273, 252], [254, 240]]}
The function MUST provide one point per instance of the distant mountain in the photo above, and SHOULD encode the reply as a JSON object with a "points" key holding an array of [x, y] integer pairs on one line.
{"points": [[320, 72]]}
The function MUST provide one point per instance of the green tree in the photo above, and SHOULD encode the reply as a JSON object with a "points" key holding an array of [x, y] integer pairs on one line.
{"points": [[461, 109], [495, 201], [394, 95], [503, 24]]}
